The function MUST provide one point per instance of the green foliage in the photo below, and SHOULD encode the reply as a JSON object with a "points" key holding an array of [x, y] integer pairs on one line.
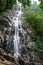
{"points": [[2, 5], [20, 0], [36, 22], [41, 6], [10, 3], [5, 4], [4, 14], [34, 9]]}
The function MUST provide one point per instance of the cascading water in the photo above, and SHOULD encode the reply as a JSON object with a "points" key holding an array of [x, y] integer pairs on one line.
{"points": [[17, 25]]}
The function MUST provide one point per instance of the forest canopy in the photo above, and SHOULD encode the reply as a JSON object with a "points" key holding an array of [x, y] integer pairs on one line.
{"points": [[35, 20], [6, 4]]}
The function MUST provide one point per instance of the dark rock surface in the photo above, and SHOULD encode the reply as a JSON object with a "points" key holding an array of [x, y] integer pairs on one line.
{"points": [[4, 31], [32, 59], [28, 56], [7, 59]]}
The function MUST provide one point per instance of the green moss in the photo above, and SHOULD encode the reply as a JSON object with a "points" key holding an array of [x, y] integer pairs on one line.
{"points": [[3, 13]]}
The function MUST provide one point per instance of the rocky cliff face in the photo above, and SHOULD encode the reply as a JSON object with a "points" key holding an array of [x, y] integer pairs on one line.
{"points": [[26, 49], [6, 57], [4, 31], [28, 56]]}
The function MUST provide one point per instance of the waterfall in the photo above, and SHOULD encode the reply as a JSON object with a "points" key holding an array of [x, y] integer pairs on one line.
{"points": [[18, 27]]}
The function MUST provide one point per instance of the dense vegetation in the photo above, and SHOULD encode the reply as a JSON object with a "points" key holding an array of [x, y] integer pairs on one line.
{"points": [[41, 6], [35, 19], [6, 4]]}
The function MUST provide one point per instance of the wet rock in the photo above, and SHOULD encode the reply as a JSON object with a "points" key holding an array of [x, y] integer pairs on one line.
{"points": [[29, 45], [4, 31], [4, 21], [37, 63], [7, 59], [33, 58]]}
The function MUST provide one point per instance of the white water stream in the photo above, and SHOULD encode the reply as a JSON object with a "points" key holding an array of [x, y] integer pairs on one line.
{"points": [[18, 27]]}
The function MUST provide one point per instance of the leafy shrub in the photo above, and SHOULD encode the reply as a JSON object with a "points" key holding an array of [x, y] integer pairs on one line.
{"points": [[6, 4], [41, 6], [36, 22], [2, 5]]}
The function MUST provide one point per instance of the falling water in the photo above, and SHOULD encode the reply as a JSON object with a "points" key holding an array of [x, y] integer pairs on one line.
{"points": [[17, 25]]}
